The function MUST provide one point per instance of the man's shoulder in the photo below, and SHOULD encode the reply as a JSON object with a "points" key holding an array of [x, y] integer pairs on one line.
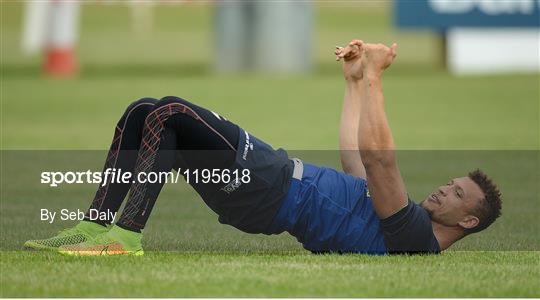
{"points": [[410, 230]]}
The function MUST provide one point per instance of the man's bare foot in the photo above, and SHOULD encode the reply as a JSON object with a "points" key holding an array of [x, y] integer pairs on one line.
{"points": [[350, 52], [352, 56], [377, 58]]}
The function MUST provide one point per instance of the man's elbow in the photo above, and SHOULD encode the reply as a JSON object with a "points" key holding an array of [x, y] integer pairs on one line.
{"points": [[378, 158], [349, 168]]}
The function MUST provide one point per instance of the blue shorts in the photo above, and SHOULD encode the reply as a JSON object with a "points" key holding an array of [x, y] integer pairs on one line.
{"points": [[329, 211]]}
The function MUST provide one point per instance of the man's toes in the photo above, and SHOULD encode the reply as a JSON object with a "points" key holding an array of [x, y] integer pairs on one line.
{"points": [[356, 42], [393, 48]]}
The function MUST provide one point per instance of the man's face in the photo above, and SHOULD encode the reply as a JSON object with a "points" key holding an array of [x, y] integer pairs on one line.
{"points": [[452, 204]]}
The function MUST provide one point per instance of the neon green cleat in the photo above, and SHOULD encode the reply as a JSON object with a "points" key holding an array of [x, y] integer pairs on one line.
{"points": [[117, 241], [82, 232]]}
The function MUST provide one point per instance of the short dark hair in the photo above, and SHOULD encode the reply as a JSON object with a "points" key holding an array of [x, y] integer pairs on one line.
{"points": [[489, 208]]}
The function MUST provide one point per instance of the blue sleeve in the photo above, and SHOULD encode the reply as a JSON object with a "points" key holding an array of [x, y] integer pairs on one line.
{"points": [[409, 231]]}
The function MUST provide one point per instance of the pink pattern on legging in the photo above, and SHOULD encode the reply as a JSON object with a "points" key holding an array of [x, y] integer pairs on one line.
{"points": [[112, 158], [146, 158]]}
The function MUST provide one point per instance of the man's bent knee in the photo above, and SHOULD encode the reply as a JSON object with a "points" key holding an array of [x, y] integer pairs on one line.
{"points": [[172, 99], [143, 102], [137, 110]]}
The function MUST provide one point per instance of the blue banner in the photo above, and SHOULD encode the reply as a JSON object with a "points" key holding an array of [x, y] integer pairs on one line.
{"points": [[444, 14]]}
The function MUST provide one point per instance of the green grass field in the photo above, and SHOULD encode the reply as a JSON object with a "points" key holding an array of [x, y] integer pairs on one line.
{"points": [[444, 125]]}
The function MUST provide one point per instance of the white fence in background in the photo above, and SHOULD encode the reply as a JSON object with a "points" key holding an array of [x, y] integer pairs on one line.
{"points": [[476, 51]]}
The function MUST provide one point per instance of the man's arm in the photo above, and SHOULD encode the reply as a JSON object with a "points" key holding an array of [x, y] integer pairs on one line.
{"points": [[374, 136], [351, 160]]}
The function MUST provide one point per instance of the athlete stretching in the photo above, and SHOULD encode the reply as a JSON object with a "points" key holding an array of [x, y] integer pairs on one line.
{"points": [[326, 210]]}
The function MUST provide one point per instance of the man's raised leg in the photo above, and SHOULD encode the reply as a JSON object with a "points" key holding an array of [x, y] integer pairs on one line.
{"points": [[122, 155], [174, 125]]}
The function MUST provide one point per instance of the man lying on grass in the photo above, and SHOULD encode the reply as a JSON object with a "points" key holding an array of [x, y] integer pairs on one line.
{"points": [[326, 210]]}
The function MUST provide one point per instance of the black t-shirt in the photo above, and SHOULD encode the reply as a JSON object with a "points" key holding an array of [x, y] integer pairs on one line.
{"points": [[409, 231]]}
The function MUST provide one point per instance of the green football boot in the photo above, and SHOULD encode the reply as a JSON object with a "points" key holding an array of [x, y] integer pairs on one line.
{"points": [[82, 232], [117, 241]]}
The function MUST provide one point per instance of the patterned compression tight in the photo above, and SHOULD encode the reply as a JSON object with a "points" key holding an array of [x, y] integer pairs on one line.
{"points": [[157, 136]]}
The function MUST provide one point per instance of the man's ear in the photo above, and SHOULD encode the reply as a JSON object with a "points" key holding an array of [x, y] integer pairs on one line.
{"points": [[469, 222]]}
